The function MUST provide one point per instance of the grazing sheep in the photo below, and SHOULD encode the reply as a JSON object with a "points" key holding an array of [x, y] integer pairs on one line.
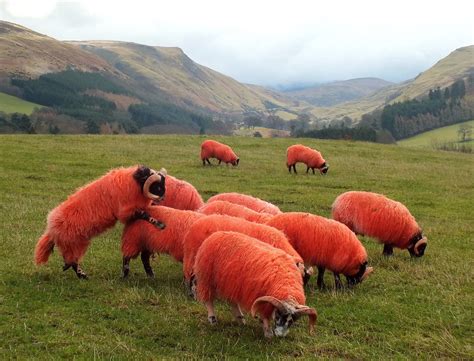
{"points": [[234, 210], [311, 157], [255, 204], [325, 243], [222, 152], [141, 237], [252, 276], [204, 227], [121, 194], [377, 216], [181, 195]]}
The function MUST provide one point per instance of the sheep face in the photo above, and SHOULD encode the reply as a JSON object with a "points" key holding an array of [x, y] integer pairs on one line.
{"points": [[283, 322], [235, 162], [286, 312], [417, 246], [361, 275], [151, 182], [324, 168]]}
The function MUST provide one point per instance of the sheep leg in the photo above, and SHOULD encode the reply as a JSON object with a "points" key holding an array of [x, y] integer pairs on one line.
{"points": [[145, 256], [237, 312], [337, 281], [387, 250], [313, 170], [307, 169], [294, 168], [203, 162], [211, 316], [208, 161], [79, 272], [125, 266], [320, 281], [220, 162], [289, 169], [267, 328]]}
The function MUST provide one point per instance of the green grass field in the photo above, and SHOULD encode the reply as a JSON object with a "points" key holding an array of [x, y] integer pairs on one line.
{"points": [[10, 104], [408, 309], [439, 135]]}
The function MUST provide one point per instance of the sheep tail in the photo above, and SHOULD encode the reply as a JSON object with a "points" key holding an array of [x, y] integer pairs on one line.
{"points": [[44, 248]]}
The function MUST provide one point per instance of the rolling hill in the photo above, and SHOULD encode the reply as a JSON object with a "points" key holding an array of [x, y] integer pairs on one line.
{"points": [[11, 104], [326, 95], [28, 54], [458, 64]]}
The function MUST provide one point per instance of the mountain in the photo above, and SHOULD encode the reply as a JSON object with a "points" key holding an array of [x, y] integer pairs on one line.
{"points": [[459, 64], [170, 71], [26, 53], [329, 94]]}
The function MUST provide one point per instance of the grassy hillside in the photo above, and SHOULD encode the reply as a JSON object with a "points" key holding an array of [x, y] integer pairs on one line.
{"points": [[456, 65], [338, 92], [408, 309], [26, 53], [11, 104], [444, 134], [171, 71]]}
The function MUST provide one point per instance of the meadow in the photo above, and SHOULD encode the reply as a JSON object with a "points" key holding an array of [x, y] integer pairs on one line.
{"points": [[439, 135], [11, 104], [407, 309]]}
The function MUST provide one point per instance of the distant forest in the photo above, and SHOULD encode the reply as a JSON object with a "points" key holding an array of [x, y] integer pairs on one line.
{"points": [[65, 93]]}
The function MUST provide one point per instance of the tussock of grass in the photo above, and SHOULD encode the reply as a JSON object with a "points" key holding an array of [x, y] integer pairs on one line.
{"points": [[408, 308]]}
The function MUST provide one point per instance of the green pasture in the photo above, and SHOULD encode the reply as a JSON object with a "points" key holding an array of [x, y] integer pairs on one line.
{"points": [[436, 136], [10, 104], [408, 308]]}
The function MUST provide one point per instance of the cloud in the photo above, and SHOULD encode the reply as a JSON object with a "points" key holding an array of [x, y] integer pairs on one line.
{"points": [[269, 42]]}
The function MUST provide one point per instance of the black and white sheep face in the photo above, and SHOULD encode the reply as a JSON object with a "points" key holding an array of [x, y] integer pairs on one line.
{"points": [[417, 246], [324, 168], [283, 322]]}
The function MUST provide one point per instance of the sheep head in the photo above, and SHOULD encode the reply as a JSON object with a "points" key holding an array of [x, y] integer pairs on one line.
{"points": [[286, 313], [324, 168], [361, 275], [418, 245]]}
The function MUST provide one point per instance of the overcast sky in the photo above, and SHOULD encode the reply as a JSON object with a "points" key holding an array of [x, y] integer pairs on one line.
{"points": [[269, 42]]}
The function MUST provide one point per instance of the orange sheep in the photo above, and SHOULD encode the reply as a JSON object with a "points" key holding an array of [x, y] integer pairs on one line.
{"points": [[325, 243], [254, 276], [377, 216], [181, 195], [234, 210], [255, 204], [142, 237], [311, 157], [121, 194], [204, 227], [222, 152]]}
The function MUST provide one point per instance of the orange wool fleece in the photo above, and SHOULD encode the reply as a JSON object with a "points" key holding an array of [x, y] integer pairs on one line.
{"points": [[238, 268], [206, 226], [377, 216], [91, 210], [322, 242], [213, 149], [300, 153], [141, 235], [234, 210], [255, 204], [181, 195]]}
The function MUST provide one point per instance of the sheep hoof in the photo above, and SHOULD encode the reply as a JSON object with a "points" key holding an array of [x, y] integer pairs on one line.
{"points": [[241, 320], [212, 320]]}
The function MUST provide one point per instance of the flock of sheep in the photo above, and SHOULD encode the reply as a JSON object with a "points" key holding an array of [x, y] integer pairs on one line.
{"points": [[233, 247]]}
